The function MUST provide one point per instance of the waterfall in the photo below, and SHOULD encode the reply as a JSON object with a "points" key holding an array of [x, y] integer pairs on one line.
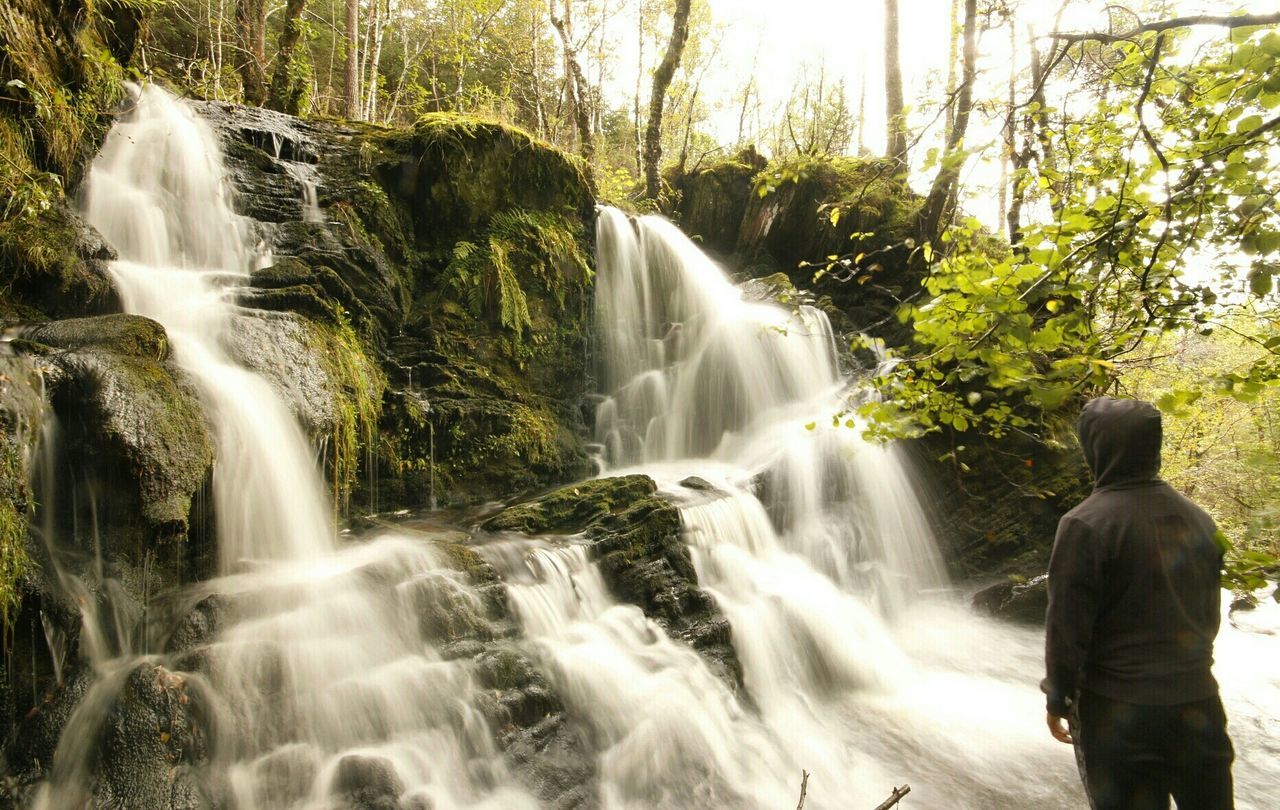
{"points": [[157, 194], [327, 685], [323, 676]]}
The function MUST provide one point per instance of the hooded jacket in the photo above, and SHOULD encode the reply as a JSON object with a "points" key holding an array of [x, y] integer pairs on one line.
{"points": [[1134, 590]]}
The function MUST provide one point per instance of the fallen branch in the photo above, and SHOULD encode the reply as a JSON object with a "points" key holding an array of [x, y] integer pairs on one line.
{"points": [[894, 797], [804, 788]]}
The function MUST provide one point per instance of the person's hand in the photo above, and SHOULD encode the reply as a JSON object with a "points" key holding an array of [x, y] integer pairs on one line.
{"points": [[1058, 728]]}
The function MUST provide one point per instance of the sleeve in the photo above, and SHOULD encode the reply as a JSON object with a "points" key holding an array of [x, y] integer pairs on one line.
{"points": [[1075, 584]]}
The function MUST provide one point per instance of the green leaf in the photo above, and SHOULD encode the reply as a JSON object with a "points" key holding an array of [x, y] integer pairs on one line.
{"points": [[1260, 281], [1249, 123]]}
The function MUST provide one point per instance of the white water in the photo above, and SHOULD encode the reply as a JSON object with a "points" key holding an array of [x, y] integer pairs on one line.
{"points": [[857, 666], [322, 664]]}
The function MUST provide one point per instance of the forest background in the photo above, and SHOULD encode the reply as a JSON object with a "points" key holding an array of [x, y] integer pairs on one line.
{"points": [[1096, 183]]}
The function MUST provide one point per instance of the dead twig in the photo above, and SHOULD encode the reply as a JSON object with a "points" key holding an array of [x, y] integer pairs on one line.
{"points": [[894, 797], [804, 788]]}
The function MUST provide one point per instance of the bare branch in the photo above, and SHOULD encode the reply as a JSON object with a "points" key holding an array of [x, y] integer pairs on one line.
{"points": [[894, 797], [1231, 22]]}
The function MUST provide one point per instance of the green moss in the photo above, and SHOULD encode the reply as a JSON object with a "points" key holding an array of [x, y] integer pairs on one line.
{"points": [[465, 559], [574, 508], [360, 385], [14, 562]]}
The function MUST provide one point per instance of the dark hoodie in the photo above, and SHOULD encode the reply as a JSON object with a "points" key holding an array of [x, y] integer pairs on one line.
{"points": [[1133, 580]]}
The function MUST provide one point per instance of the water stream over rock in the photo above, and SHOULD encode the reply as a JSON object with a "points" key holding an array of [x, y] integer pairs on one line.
{"points": [[431, 669]]}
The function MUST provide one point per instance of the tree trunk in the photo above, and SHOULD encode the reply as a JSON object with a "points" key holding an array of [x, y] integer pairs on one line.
{"points": [[288, 85], [953, 53], [895, 122], [576, 84], [251, 33], [1007, 131], [942, 194], [661, 81], [380, 14], [635, 100], [539, 109], [351, 88]]}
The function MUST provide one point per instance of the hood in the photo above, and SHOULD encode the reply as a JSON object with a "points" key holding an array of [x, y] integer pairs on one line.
{"points": [[1121, 441]]}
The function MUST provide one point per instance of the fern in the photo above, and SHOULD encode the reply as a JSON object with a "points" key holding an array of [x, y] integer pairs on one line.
{"points": [[519, 247]]}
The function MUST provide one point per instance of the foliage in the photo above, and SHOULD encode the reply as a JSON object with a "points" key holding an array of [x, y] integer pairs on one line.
{"points": [[1221, 450], [539, 246], [13, 530], [360, 386], [1156, 171]]}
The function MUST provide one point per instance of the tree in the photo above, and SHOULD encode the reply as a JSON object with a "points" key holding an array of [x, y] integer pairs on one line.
{"points": [[1154, 169], [289, 80], [576, 88], [661, 82], [895, 118], [942, 193], [251, 34], [351, 84]]}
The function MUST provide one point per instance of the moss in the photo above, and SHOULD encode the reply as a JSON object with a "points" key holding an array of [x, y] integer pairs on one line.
{"points": [[360, 385], [129, 335], [14, 562], [572, 509], [464, 558], [457, 172], [62, 80]]}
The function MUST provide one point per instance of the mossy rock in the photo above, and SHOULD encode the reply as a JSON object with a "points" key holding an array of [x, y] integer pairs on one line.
{"points": [[126, 335], [55, 265], [713, 201], [571, 509], [133, 415], [999, 512], [457, 172]]}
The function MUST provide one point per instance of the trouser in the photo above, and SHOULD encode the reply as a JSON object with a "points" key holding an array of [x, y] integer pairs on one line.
{"points": [[1135, 757]]}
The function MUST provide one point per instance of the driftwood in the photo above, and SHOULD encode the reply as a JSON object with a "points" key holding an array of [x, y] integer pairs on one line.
{"points": [[894, 797]]}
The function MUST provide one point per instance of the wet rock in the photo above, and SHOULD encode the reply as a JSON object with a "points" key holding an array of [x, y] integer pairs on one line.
{"points": [[700, 484], [447, 610], [282, 348], [199, 626], [285, 776], [1018, 601], [997, 502], [645, 561], [128, 335], [571, 509], [555, 762], [367, 783], [714, 200], [148, 740], [142, 421], [521, 695]]}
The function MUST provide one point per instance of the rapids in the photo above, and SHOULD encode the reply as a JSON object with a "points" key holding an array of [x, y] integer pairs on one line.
{"points": [[861, 664]]}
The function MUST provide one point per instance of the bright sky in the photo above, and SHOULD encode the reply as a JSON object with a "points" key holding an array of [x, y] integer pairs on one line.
{"points": [[783, 38]]}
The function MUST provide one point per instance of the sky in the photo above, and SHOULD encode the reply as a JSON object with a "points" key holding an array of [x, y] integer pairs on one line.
{"points": [[782, 38]]}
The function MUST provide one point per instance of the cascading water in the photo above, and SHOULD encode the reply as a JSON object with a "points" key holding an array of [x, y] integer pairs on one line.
{"points": [[323, 678], [321, 675]]}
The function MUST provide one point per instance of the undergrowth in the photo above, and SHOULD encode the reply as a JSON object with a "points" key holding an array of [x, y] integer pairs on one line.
{"points": [[360, 385], [486, 275]]}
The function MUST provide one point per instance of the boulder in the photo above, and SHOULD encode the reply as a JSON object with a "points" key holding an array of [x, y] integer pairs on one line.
{"points": [[1023, 601]]}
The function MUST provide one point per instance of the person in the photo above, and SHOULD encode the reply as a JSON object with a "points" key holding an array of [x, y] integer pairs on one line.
{"points": [[1134, 600]]}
